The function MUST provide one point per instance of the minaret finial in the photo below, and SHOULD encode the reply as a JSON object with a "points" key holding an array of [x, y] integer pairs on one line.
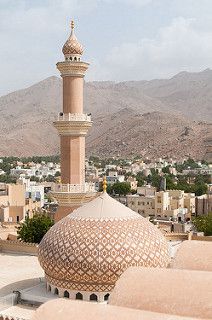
{"points": [[72, 24], [104, 184]]}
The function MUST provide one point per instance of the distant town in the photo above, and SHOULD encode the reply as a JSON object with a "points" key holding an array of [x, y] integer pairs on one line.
{"points": [[167, 192]]}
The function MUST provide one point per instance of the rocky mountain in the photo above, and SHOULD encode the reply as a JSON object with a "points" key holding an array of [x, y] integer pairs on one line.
{"points": [[153, 118]]}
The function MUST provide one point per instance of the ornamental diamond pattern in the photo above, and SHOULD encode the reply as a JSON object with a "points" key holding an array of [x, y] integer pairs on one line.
{"points": [[91, 254], [72, 46]]}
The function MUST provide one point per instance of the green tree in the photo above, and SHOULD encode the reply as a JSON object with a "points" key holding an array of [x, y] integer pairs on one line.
{"points": [[57, 174], [50, 178], [7, 178], [140, 178], [204, 224], [34, 178], [121, 188], [33, 229]]}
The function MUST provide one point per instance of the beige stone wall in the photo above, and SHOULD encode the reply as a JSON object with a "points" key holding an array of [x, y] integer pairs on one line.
{"points": [[189, 203], [16, 194], [4, 214], [162, 202], [32, 206], [145, 206], [18, 247], [16, 213], [4, 200]]}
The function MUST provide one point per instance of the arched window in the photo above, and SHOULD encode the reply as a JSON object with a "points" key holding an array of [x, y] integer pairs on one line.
{"points": [[66, 294], [106, 297], [79, 296], [49, 288], [93, 297], [70, 58], [56, 291], [75, 58]]}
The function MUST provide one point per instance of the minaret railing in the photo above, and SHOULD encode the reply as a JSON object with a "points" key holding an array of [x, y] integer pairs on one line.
{"points": [[73, 117], [74, 188]]}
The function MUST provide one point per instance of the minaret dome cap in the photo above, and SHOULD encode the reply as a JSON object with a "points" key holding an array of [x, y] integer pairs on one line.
{"points": [[72, 46]]}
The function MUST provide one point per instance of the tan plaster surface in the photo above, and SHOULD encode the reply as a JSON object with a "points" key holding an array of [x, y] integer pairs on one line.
{"points": [[73, 94], [193, 255], [186, 293], [66, 309], [18, 311], [17, 267]]}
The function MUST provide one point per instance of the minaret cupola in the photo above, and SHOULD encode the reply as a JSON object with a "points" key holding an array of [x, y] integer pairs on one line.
{"points": [[72, 49]]}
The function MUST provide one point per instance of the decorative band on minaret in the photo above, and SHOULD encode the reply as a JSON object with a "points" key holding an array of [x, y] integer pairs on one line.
{"points": [[72, 125]]}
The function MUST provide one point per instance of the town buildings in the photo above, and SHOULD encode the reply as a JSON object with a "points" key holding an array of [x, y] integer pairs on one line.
{"points": [[16, 204], [174, 204]]}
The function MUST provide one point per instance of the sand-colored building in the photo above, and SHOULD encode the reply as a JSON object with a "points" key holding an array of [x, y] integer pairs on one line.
{"points": [[168, 204], [14, 206]]}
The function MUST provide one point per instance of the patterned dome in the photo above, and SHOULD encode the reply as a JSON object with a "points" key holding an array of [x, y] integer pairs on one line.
{"points": [[90, 248], [72, 46]]}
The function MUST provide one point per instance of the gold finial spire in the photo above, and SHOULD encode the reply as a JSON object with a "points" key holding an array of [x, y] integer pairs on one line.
{"points": [[72, 24], [104, 184]]}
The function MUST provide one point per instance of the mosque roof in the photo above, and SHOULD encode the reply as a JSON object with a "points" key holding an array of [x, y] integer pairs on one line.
{"points": [[91, 247], [193, 255], [72, 45], [81, 310]]}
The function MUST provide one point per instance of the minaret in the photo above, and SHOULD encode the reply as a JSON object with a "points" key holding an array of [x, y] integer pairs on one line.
{"points": [[72, 125]]}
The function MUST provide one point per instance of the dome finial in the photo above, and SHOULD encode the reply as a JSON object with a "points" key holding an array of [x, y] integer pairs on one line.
{"points": [[104, 184], [72, 45], [72, 24]]}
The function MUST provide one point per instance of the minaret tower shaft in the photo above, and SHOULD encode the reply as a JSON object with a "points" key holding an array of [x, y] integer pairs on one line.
{"points": [[72, 125]]}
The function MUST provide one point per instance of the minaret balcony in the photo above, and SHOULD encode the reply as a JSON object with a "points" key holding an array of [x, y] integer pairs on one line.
{"points": [[74, 188], [73, 124], [73, 117], [74, 194]]}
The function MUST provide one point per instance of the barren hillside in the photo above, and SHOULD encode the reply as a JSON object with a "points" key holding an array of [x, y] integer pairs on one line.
{"points": [[152, 118]]}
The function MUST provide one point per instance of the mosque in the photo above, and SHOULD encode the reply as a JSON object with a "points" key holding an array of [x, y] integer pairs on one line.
{"points": [[101, 251], [85, 253]]}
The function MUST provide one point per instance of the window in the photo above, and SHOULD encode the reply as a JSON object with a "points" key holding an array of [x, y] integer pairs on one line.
{"points": [[106, 297], [56, 291], [159, 199], [93, 297], [79, 296], [66, 294]]}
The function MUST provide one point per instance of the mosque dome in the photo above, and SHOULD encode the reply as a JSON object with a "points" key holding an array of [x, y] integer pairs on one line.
{"points": [[72, 46], [88, 250]]}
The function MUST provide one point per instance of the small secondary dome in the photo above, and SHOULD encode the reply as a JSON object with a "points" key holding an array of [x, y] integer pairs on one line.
{"points": [[90, 248], [72, 46]]}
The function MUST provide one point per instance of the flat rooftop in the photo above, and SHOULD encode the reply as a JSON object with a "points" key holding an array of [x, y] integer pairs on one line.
{"points": [[15, 268]]}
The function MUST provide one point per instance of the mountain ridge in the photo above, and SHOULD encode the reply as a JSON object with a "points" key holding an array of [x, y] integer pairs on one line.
{"points": [[146, 110]]}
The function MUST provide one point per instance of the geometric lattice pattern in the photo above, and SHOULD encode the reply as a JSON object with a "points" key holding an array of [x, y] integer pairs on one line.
{"points": [[72, 46], [90, 254]]}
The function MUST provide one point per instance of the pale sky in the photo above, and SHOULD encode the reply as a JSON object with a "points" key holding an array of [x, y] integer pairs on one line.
{"points": [[123, 39]]}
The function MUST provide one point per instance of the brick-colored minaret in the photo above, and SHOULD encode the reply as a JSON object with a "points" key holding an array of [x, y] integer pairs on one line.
{"points": [[72, 125]]}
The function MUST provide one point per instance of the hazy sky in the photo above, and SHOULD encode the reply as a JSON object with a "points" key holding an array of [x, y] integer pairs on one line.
{"points": [[123, 39]]}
